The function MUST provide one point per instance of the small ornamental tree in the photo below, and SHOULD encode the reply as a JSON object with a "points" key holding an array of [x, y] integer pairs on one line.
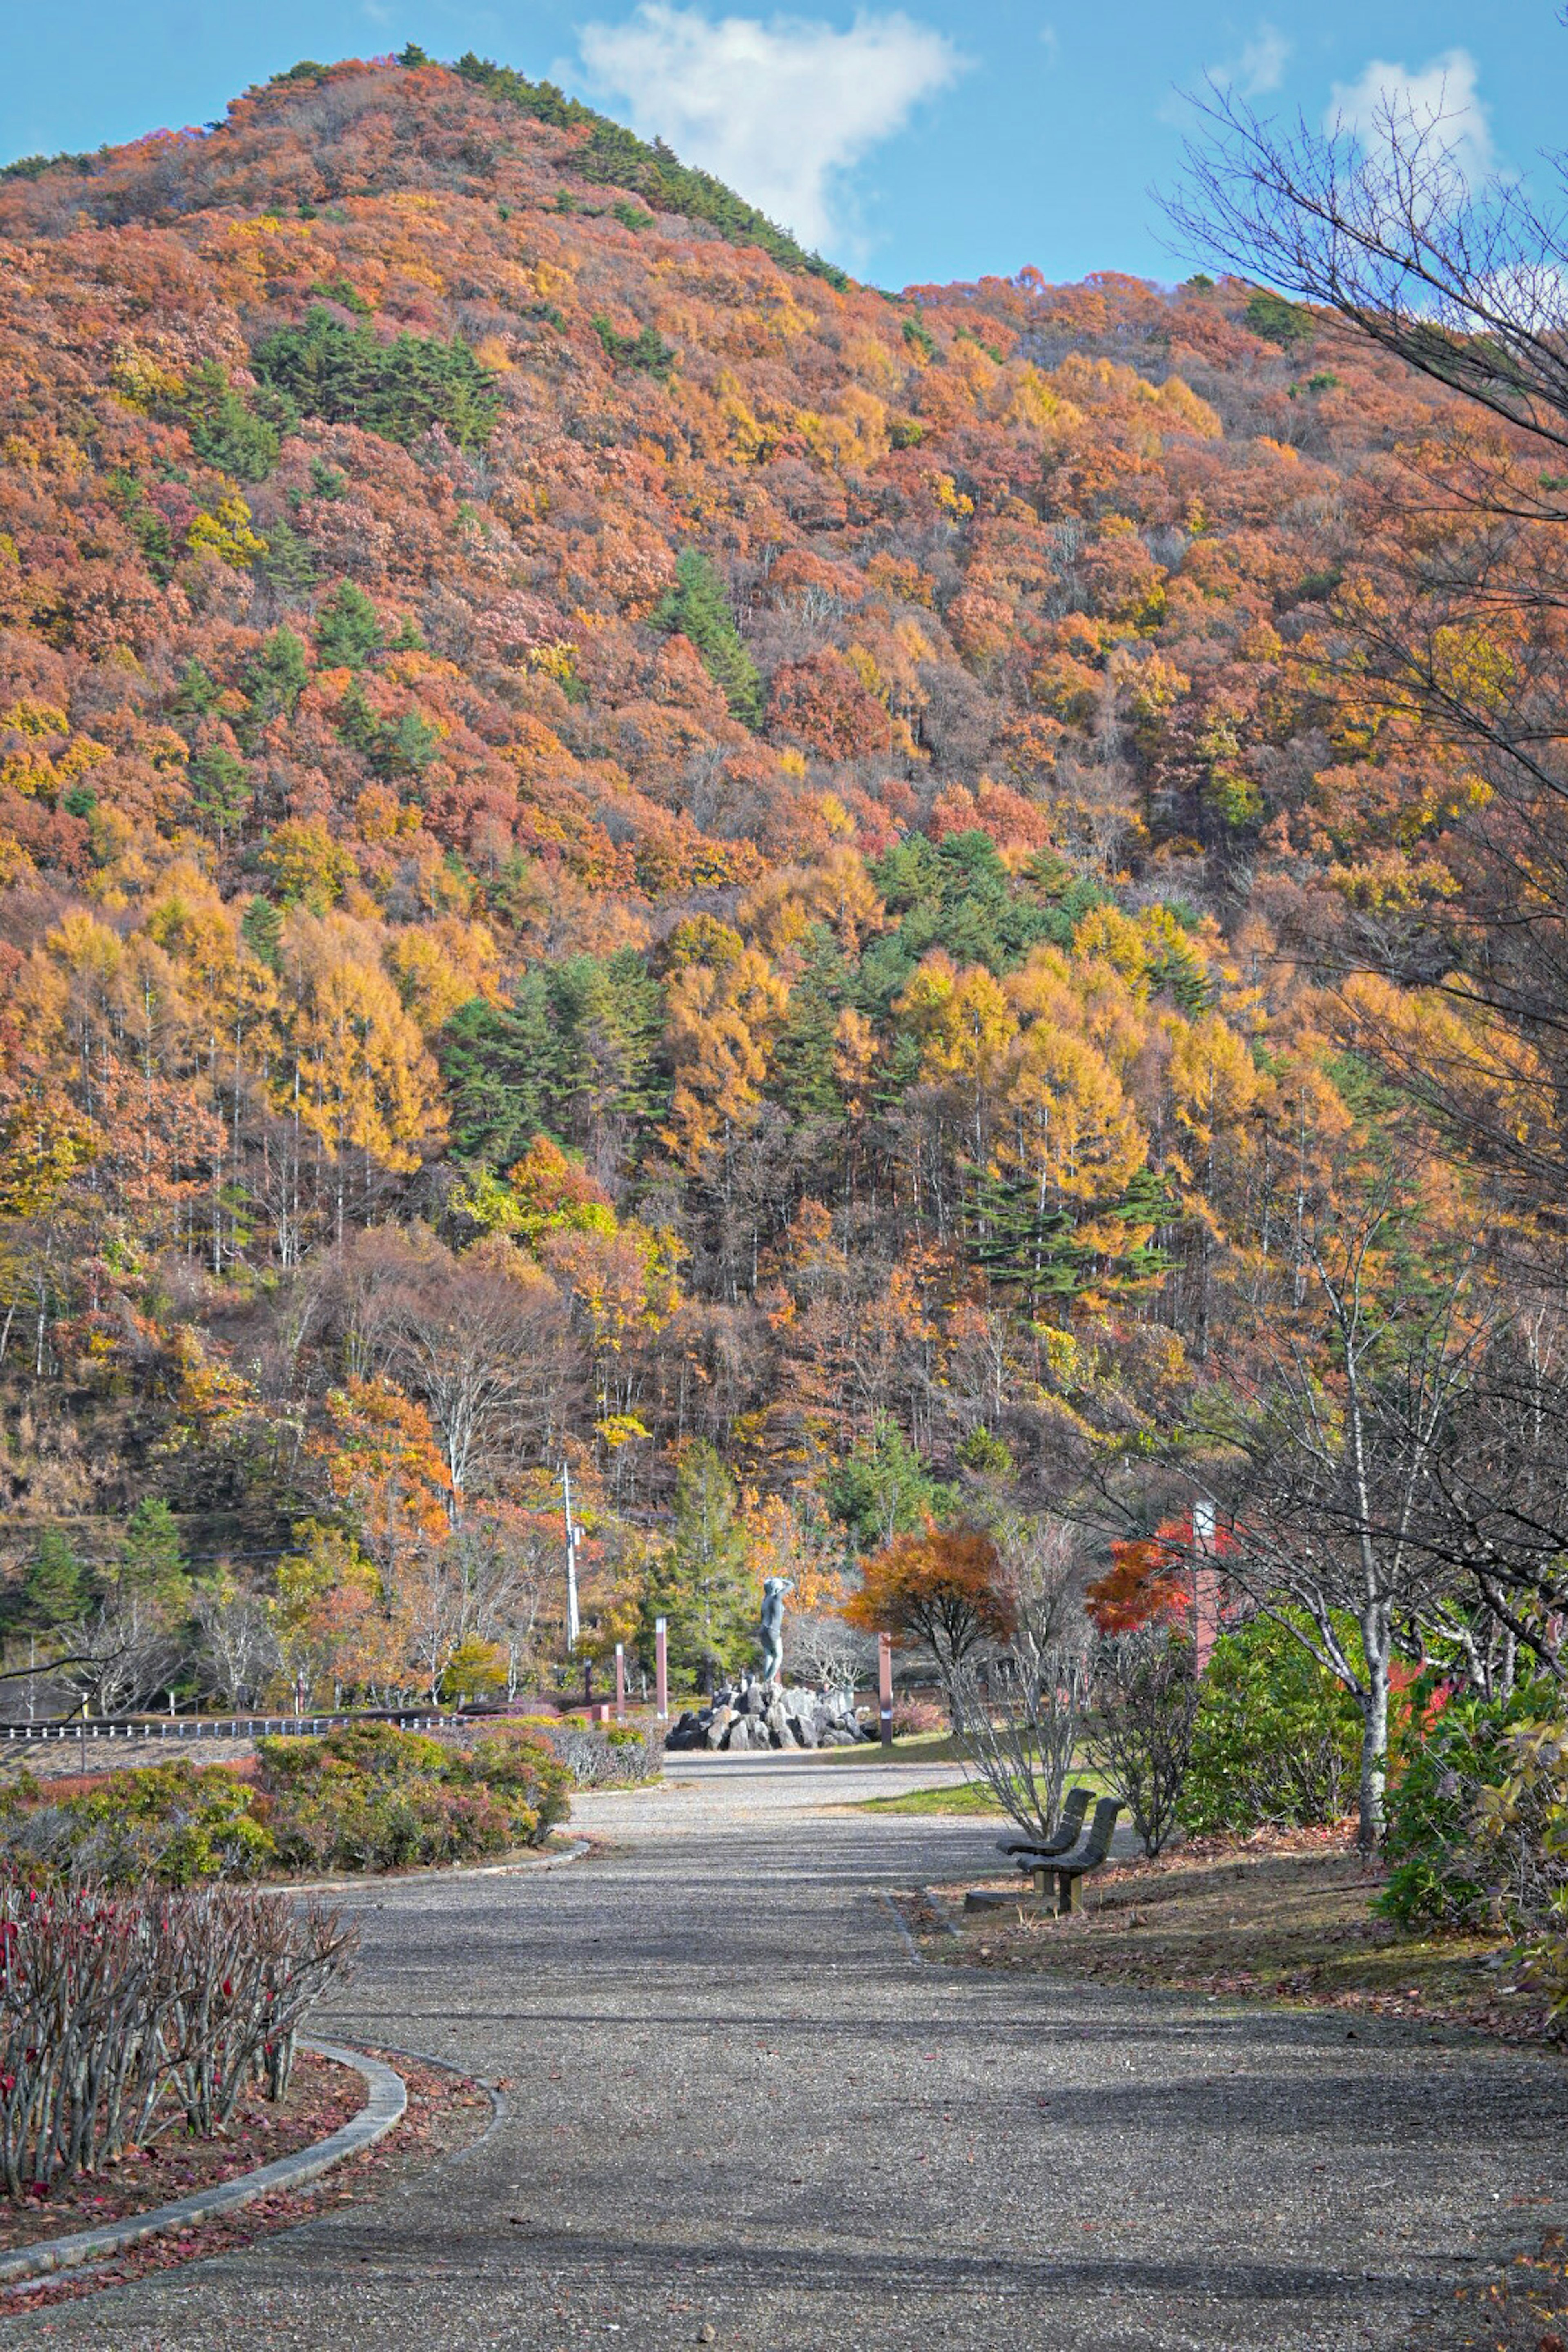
{"points": [[943, 1590], [1149, 1581], [1139, 1737]]}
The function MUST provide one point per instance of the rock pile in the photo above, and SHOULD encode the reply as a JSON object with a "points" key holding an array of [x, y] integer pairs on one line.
{"points": [[765, 1715]]}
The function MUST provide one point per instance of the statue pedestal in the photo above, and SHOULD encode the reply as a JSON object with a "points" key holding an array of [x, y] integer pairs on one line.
{"points": [[757, 1716]]}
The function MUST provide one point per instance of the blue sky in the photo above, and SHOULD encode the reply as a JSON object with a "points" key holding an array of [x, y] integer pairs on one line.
{"points": [[926, 142]]}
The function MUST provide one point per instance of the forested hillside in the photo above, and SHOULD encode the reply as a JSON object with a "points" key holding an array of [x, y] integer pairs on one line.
{"points": [[613, 846]]}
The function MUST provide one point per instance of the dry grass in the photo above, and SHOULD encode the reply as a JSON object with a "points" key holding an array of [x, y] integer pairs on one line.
{"points": [[1284, 1914]]}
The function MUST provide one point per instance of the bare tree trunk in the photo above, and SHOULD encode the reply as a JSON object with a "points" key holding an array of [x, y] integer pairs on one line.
{"points": [[1373, 1744]]}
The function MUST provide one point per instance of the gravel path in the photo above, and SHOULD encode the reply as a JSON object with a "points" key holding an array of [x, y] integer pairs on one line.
{"points": [[741, 2113]]}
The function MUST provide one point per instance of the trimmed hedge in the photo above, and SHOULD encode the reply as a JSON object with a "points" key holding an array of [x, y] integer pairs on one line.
{"points": [[364, 1797]]}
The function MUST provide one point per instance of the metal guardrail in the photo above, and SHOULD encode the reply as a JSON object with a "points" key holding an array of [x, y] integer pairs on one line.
{"points": [[255, 1726]]}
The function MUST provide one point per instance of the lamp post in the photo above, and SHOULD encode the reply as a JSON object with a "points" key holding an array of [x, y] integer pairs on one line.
{"points": [[573, 1624], [885, 1688], [661, 1668]]}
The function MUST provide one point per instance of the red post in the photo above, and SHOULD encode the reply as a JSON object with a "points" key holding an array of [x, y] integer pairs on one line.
{"points": [[620, 1681], [885, 1686], [661, 1650]]}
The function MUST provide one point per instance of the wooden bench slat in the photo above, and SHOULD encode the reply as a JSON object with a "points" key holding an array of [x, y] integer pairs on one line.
{"points": [[1063, 1838], [1072, 1867]]}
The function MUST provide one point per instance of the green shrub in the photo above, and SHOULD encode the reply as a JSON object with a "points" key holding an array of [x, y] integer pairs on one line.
{"points": [[1278, 1739], [225, 429], [174, 1823], [1269, 315], [363, 1797], [594, 1758], [524, 1766], [1518, 1835], [646, 350], [1444, 1759], [368, 1797]]}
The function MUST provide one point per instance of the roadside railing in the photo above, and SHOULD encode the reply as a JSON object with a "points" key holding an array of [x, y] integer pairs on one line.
{"points": [[238, 1726]]}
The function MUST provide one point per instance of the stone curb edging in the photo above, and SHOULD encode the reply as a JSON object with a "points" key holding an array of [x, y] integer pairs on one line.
{"points": [[387, 1878], [913, 1950], [936, 1904], [384, 2108]]}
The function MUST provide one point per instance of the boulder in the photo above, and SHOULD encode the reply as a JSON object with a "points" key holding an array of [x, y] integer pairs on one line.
{"points": [[761, 1715]]}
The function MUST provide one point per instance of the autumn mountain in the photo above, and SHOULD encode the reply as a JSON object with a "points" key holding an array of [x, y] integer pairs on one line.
{"points": [[556, 753]]}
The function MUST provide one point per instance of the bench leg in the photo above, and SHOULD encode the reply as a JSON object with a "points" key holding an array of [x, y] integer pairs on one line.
{"points": [[1042, 1878], [1068, 1900]]}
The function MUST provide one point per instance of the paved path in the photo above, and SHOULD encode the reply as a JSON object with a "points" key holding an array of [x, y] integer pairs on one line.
{"points": [[738, 2104]]}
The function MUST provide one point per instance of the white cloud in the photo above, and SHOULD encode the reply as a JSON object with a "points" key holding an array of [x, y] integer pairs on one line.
{"points": [[1260, 68], [1440, 97], [779, 109], [1256, 73]]}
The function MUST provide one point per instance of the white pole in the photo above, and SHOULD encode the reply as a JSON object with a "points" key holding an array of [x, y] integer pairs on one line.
{"points": [[573, 1624]]}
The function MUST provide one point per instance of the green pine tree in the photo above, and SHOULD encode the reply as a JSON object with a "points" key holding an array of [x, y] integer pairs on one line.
{"points": [[223, 427], [884, 1489], [53, 1586], [262, 928], [493, 1061], [701, 1587], [348, 633], [220, 791], [801, 1080], [277, 677], [152, 1557], [697, 607]]}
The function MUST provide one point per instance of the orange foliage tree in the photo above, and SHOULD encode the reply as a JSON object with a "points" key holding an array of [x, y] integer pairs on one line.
{"points": [[943, 1590]]}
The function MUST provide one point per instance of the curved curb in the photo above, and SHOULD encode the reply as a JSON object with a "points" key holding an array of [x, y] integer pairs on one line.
{"points": [[382, 1880], [384, 2108]]}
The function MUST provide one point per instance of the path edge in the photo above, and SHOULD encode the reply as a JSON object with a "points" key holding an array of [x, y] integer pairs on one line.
{"points": [[359, 1881], [384, 2106]]}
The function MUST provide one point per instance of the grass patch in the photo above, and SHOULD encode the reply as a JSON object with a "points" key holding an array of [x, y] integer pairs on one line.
{"points": [[919, 1748], [967, 1798]]}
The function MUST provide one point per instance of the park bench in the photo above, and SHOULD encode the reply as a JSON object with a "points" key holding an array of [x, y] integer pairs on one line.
{"points": [[1072, 1867], [1063, 1838], [1066, 1868]]}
